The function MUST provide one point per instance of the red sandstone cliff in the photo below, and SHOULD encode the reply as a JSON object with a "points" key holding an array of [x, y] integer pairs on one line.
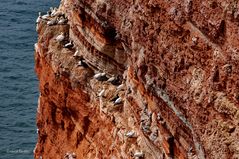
{"points": [[178, 62]]}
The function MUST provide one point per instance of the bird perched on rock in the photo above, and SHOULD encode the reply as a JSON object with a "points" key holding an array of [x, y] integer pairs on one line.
{"points": [[138, 154], [36, 46], [102, 93], [39, 17], [114, 98], [76, 53], [118, 101], [120, 87], [46, 16], [62, 20], [100, 76], [82, 62], [114, 80], [52, 22], [69, 45], [111, 79], [130, 134], [70, 155], [53, 11], [60, 37]]}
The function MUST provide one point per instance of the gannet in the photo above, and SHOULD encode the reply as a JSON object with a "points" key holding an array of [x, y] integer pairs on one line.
{"points": [[66, 155], [118, 101], [102, 93], [98, 75], [130, 134], [72, 156], [52, 22], [101, 76], [69, 45], [60, 37], [57, 13], [76, 53], [36, 46], [39, 17], [53, 11], [46, 16], [120, 87], [139, 154], [82, 63], [111, 79], [62, 21]]}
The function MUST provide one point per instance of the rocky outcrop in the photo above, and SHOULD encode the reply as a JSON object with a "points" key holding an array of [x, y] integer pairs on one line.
{"points": [[144, 79]]}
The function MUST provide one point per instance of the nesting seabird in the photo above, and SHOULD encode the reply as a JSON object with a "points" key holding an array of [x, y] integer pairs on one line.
{"points": [[100, 76], [111, 79], [130, 134], [56, 12], [69, 45], [66, 155], [120, 87], [76, 53], [39, 17], [62, 21], [113, 99], [118, 101], [60, 37], [46, 16], [52, 22], [53, 11], [82, 63], [102, 93], [138, 154], [71, 155], [36, 46]]}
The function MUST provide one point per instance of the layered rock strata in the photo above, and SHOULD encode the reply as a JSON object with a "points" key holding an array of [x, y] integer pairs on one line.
{"points": [[175, 69]]}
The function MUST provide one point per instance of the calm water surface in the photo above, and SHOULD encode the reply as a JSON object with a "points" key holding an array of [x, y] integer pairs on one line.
{"points": [[18, 82]]}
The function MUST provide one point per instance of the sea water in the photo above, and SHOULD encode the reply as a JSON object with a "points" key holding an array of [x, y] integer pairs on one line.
{"points": [[18, 82]]}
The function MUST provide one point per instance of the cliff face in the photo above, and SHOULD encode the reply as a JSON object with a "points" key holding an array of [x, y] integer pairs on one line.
{"points": [[176, 72]]}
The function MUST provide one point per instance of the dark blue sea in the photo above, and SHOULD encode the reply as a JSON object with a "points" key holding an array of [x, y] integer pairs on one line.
{"points": [[18, 82]]}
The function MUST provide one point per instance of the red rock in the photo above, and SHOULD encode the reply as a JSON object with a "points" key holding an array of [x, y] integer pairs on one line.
{"points": [[177, 60]]}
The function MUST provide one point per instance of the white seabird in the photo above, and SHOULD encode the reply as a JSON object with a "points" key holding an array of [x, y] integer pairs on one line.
{"points": [[130, 134], [36, 46], [53, 11], [138, 154], [69, 45], [102, 93], [72, 155], [52, 22], [46, 16], [101, 76], [120, 87], [62, 21], [76, 53], [111, 79], [118, 101], [39, 17], [98, 75], [60, 37], [80, 63]]}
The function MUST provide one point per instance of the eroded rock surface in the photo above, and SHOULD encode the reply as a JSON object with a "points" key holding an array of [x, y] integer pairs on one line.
{"points": [[169, 88]]}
